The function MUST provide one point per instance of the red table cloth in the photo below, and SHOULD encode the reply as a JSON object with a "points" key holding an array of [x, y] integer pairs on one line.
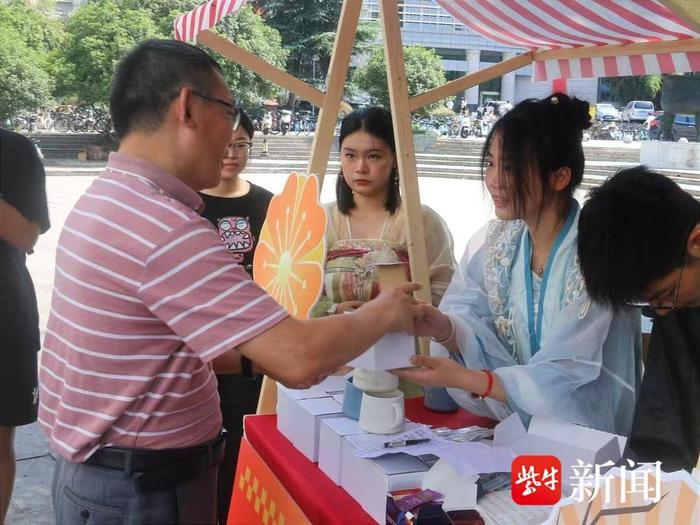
{"points": [[319, 498]]}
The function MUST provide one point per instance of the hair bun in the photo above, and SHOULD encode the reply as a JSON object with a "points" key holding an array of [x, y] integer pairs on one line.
{"points": [[571, 109]]}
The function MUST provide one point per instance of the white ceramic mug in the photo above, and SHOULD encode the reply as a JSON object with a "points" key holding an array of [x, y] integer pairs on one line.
{"points": [[374, 380], [382, 412]]}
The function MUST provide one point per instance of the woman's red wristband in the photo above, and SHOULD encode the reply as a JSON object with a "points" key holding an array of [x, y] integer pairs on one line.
{"points": [[489, 385]]}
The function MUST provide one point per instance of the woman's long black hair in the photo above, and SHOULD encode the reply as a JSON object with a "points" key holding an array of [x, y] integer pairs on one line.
{"points": [[377, 122], [539, 136]]}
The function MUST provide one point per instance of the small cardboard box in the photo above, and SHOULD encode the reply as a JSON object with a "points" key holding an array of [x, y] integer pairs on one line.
{"points": [[369, 480], [330, 445], [394, 350], [566, 441], [333, 384], [299, 413]]}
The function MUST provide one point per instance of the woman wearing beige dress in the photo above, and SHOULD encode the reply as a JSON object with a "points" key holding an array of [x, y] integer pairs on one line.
{"points": [[367, 224]]}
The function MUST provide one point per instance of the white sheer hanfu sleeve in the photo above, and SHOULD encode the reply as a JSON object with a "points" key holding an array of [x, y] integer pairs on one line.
{"points": [[466, 302], [585, 372]]}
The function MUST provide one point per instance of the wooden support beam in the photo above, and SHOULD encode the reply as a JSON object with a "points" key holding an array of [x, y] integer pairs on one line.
{"points": [[335, 88], [259, 66], [687, 10], [641, 48], [405, 152], [467, 81]]}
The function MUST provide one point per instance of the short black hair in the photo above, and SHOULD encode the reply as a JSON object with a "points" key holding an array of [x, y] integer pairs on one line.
{"points": [[541, 135], [633, 231], [150, 76], [246, 123], [377, 122]]}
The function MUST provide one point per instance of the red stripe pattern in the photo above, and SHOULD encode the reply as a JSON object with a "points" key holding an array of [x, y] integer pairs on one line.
{"points": [[145, 297], [560, 24], [207, 15]]}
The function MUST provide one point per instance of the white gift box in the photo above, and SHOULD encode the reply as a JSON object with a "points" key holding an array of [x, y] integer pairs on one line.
{"points": [[567, 441], [330, 445], [394, 350], [369, 480], [459, 491], [299, 419]]}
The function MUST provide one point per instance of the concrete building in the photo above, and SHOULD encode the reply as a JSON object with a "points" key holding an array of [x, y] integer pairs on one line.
{"points": [[64, 8], [463, 51]]}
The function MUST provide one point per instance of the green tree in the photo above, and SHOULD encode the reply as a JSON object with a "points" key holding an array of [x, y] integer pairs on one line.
{"points": [[624, 89], [310, 38], [424, 71], [28, 38], [162, 12], [247, 29], [98, 36], [24, 85], [244, 27]]}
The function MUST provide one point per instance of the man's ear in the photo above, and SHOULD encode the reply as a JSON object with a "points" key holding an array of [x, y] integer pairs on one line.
{"points": [[560, 178], [182, 106], [693, 245]]}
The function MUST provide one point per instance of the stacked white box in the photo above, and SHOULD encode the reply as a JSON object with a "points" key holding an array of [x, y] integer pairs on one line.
{"points": [[369, 480], [330, 448], [299, 415]]}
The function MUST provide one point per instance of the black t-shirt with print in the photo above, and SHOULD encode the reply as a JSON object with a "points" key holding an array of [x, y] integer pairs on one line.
{"points": [[239, 221], [22, 185]]}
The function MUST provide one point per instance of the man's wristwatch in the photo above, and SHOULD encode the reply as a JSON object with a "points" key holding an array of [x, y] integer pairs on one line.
{"points": [[246, 368]]}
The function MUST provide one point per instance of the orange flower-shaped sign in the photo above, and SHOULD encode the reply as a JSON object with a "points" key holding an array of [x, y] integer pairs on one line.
{"points": [[288, 261]]}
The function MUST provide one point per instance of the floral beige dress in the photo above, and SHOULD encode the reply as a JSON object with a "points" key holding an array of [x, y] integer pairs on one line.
{"points": [[351, 264]]}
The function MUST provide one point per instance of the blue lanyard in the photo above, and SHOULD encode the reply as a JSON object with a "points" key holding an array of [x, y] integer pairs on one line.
{"points": [[536, 331]]}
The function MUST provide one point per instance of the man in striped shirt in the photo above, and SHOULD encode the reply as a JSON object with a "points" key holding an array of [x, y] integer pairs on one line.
{"points": [[148, 304]]}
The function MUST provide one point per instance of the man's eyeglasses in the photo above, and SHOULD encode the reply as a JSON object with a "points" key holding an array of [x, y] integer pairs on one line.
{"points": [[240, 148], [232, 109], [663, 306]]}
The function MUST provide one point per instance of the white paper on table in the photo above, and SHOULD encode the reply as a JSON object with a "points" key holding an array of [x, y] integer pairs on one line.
{"points": [[475, 457], [372, 445], [466, 458]]}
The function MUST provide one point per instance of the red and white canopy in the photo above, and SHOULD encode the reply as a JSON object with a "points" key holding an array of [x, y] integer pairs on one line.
{"points": [[203, 17], [539, 25]]}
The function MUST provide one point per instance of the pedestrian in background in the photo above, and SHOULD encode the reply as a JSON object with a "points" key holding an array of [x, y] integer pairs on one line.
{"points": [[24, 215], [237, 208]]}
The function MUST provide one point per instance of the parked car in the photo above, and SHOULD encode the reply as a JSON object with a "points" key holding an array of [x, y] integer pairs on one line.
{"points": [[683, 126], [605, 112], [637, 111]]}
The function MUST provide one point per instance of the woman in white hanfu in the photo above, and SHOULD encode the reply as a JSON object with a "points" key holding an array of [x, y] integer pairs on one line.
{"points": [[516, 323]]}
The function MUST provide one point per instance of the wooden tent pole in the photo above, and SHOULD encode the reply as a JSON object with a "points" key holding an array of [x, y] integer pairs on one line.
{"points": [[259, 66], [335, 88], [323, 137], [467, 81], [405, 152], [686, 45]]}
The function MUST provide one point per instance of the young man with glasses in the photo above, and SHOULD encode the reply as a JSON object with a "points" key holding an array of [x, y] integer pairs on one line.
{"points": [[237, 208], [639, 245]]}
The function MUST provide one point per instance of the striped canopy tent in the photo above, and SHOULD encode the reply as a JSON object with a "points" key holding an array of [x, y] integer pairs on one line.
{"points": [[564, 39], [590, 38]]}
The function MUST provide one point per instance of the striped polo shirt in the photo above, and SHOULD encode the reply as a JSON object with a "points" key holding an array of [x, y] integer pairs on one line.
{"points": [[145, 296]]}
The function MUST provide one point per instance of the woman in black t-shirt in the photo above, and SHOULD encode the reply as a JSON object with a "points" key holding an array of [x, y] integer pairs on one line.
{"points": [[23, 216], [237, 208]]}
